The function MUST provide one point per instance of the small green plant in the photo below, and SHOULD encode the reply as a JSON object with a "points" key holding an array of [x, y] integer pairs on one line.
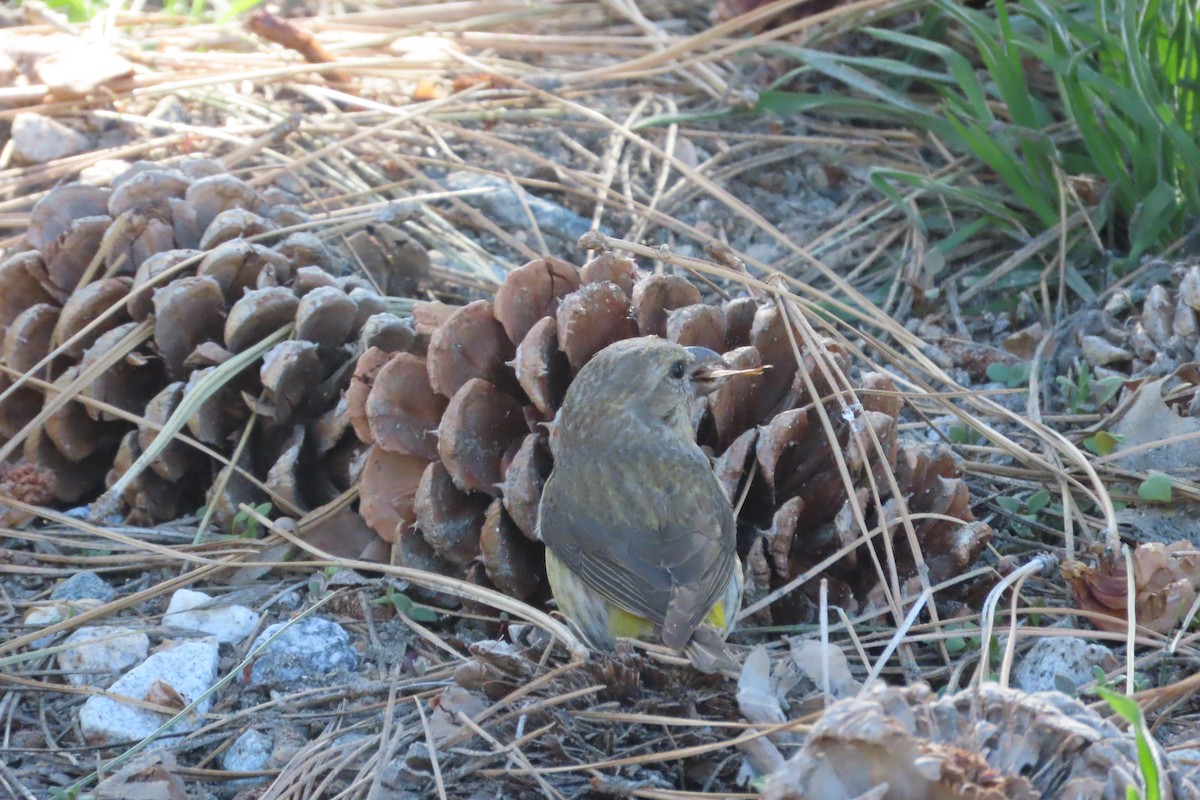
{"points": [[1014, 376], [195, 10], [961, 434], [1103, 443], [969, 640], [1065, 684], [1026, 511], [405, 605], [1156, 488], [1103, 682], [70, 793], [1085, 394], [318, 584], [1035, 619], [1128, 709], [78, 10], [247, 524]]}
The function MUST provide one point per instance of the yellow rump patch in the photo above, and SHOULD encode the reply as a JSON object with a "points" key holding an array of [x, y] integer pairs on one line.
{"points": [[623, 625]]}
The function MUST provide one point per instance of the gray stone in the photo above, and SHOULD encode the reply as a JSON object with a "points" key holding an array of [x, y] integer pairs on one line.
{"points": [[37, 139], [1066, 656], [501, 202], [187, 670], [312, 652], [84, 585], [248, 753]]}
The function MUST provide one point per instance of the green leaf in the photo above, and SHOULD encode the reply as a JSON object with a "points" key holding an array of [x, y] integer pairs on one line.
{"points": [[1152, 217], [1065, 685], [1103, 443], [422, 614], [1106, 389], [1156, 488], [1035, 619], [1037, 501], [1128, 709], [235, 8], [1010, 504], [999, 372]]}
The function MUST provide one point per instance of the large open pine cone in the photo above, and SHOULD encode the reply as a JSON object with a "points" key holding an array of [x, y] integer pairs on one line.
{"points": [[987, 741], [90, 249], [459, 448]]}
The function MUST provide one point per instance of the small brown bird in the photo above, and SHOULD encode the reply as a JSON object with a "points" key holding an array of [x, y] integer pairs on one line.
{"points": [[640, 539]]}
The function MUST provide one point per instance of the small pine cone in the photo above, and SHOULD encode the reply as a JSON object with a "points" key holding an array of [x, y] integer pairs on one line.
{"points": [[1166, 578], [1137, 335], [461, 438], [28, 483], [144, 290]]}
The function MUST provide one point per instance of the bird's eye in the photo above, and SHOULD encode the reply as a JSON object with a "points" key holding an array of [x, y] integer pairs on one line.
{"points": [[678, 369]]}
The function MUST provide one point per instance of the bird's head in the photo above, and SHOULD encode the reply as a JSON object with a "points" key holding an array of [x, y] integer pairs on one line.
{"points": [[642, 383]]}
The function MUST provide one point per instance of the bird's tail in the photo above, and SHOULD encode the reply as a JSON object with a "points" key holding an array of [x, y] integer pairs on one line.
{"points": [[708, 653]]}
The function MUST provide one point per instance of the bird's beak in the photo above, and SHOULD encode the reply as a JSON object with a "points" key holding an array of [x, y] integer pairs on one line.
{"points": [[709, 369]]}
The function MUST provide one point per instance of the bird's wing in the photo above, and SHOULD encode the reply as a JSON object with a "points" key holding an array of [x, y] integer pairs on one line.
{"points": [[665, 552]]}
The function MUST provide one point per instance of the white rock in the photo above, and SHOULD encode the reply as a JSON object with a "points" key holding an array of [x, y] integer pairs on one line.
{"points": [[37, 139], [81, 70], [187, 670], [248, 753], [1068, 656], [44, 615], [229, 624], [100, 653], [103, 172]]}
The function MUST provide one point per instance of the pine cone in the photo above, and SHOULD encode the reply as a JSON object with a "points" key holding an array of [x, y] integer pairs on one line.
{"points": [[460, 445], [1166, 580], [1137, 335], [225, 295], [980, 742]]}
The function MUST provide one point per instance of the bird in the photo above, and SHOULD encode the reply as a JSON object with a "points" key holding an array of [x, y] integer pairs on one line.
{"points": [[640, 538]]}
